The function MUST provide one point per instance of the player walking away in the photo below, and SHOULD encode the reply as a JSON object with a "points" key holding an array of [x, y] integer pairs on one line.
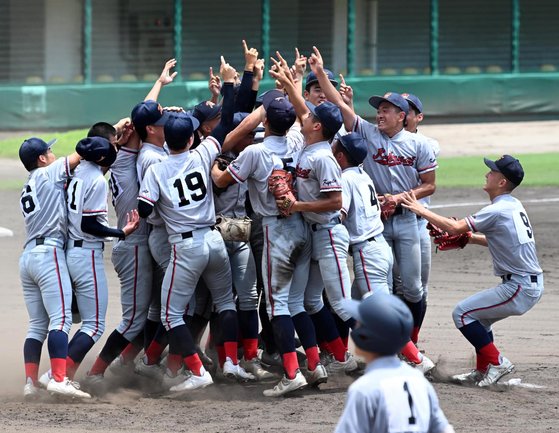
{"points": [[391, 396], [372, 256], [180, 188], [47, 288], [319, 187], [504, 227], [287, 247], [397, 162]]}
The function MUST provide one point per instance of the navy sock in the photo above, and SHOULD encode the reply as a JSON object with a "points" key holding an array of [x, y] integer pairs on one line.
{"points": [[267, 333], [150, 328], [32, 351], [305, 330], [228, 324], [79, 346], [58, 344], [197, 326], [284, 333], [248, 322], [161, 335], [324, 321], [181, 342], [114, 345], [476, 334], [416, 309]]}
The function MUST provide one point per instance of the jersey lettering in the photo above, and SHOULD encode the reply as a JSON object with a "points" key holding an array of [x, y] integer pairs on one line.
{"points": [[115, 187], [74, 194], [188, 189], [29, 203], [523, 227]]}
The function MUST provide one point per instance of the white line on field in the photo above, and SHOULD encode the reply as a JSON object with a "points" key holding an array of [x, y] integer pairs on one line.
{"points": [[4, 232], [483, 203]]}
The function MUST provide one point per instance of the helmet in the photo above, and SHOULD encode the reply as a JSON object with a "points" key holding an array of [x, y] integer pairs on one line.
{"points": [[385, 323]]}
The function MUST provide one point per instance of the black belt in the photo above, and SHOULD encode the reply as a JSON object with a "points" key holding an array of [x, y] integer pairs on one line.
{"points": [[39, 241], [399, 210], [79, 243], [187, 235], [371, 239], [507, 277], [316, 227]]}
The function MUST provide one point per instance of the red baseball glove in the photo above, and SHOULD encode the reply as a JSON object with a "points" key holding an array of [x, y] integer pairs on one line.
{"points": [[387, 206], [280, 183], [445, 241]]}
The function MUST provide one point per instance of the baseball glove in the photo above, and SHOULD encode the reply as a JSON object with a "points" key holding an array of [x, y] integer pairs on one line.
{"points": [[445, 241], [223, 161], [387, 207], [280, 183], [233, 229]]}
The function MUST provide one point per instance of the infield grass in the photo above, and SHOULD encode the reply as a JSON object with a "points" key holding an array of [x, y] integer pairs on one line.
{"points": [[542, 169]]}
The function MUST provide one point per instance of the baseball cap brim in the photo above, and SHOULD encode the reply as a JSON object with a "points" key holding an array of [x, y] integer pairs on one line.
{"points": [[269, 96], [491, 164], [163, 119], [375, 101], [311, 107], [351, 307], [311, 82], [51, 142]]}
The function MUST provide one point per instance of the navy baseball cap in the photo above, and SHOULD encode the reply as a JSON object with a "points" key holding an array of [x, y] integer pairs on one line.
{"points": [[385, 323], [312, 79], [355, 145], [392, 97], [508, 166], [280, 113], [179, 128], [31, 149], [260, 98], [239, 117], [414, 101], [206, 110], [329, 114], [97, 149], [148, 113]]}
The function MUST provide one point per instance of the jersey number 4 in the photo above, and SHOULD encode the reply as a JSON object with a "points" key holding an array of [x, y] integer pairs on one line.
{"points": [[190, 188]]}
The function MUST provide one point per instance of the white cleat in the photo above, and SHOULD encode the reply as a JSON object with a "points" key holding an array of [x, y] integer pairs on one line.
{"points": [[254, 366], [45, 379], [317, 376], [153, 371], [237, 372], [495, 372], [119, 368], [470, 378], [326, 358], [30, 391], [66, 388], [194, 382], [169, 380], [426, 365], [347, 366], [286, 385]]}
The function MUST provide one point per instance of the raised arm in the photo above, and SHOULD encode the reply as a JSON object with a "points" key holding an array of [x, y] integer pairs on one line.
{"points": [[165, 78], [245, 127], [225, 125], [281, 73]]}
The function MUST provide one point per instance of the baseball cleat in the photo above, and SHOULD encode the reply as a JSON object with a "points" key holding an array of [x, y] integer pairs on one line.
{"points": [[30, 391], [45, 379], [347, 366], [317, 376], [271, 359], [169, 380], [237, 372], [254, 366], [426, 365], [119, 368], [153, 371], [286, 385], [66, 388], [194, 382], [326, 358], [470, 378], [495, 372]]}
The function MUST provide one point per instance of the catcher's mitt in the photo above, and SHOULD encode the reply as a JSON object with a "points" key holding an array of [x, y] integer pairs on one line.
{"points": [[280, 183], [445, 241], [387, 207], [223, 161], [233, 229]]}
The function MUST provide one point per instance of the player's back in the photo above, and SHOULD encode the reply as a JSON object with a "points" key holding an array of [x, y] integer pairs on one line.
{"points": [[43, 201]]}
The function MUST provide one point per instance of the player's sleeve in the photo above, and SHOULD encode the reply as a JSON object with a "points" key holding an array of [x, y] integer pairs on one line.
{"points": [[95, 199], [59, 171], [149, 188], [363, 126], [295, 139], [125, 159], [357, 416], [426, 158], [208, 149], [482, 220], [437, 421], [328, 173], [244, 165], [346, 195]]}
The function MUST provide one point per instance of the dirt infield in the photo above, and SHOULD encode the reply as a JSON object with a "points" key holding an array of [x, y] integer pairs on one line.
{"points": [[531, 342]]}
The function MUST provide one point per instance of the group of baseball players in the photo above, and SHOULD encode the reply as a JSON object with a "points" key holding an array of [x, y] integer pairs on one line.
{"points": [[319, 183]]}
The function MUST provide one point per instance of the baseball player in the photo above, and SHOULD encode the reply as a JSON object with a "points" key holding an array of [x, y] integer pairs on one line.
{"points": [[87, 231], [287, 248], [180, 188], [130, 257], [319, 187], [47, 288], [372, 256], [504, 227], [391, 396], [397, 162]]}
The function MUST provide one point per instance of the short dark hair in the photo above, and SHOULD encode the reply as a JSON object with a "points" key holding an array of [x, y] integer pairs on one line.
{"points": [[326, 133], [102, 129], [142, 132], [339, 148], [509, 185]]}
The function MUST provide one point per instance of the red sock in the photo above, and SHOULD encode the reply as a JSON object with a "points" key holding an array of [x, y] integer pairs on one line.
{"points": [[411, 352], [220, 355], [99, 367], [130, 352], [490, 354], [194, 364], [312, 357], [230, 348], [250, 346], [153, 352], [481, 363], [32, 371], [71, 368], [174, 363], [58, 368], [324, 347], [415, 334], [338, 349], [345, 340], [290, 364]]}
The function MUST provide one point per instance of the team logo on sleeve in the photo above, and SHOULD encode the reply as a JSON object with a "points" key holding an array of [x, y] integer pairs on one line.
{"points": [[392, 160], [329, 182]]}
